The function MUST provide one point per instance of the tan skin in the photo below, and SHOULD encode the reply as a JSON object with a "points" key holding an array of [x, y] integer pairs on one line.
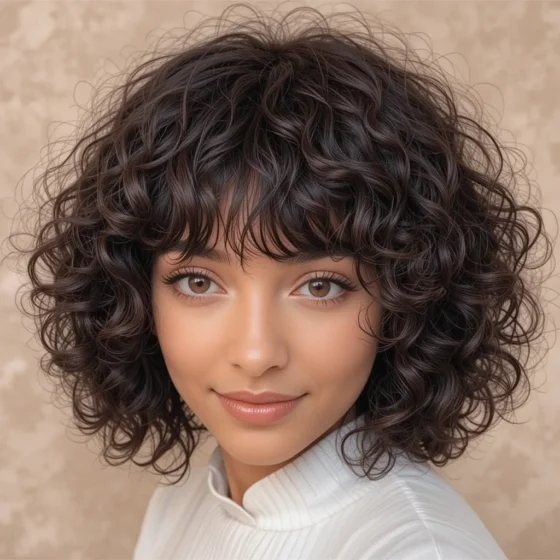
{"points": [[264, 329]]}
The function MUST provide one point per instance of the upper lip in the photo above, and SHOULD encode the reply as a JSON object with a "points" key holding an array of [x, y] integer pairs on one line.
{"points": [[266, 397]]}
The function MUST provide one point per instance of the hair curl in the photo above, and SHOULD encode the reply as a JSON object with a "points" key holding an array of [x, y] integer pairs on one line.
{"points": [[350, 148]]}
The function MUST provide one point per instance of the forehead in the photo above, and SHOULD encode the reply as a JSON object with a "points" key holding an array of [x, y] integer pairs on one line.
{"points": [[222, 256]]}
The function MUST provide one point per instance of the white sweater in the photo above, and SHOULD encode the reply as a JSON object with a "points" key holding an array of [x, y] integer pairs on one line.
{"points": [[314, 508]]}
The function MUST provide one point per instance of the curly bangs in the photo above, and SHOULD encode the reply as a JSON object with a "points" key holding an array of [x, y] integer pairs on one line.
{"points": [[340, 144]]}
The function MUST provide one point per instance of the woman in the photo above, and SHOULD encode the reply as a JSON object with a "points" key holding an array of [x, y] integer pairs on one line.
{"points": [[290, 211]]}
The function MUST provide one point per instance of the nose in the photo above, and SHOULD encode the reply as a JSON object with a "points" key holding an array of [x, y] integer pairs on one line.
{"points": [[258, 338]]}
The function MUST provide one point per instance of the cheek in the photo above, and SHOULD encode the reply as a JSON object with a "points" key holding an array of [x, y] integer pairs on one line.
{"points": [[188, 345], [339, 352]]}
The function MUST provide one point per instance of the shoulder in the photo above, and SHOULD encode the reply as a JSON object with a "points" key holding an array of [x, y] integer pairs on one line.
{"points": [[415, 514], [166, 503]]}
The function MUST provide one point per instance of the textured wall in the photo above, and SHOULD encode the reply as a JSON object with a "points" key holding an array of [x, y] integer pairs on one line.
{"points": [[57, 500]]}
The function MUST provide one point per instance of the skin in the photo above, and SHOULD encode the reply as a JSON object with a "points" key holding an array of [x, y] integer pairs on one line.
{"points": [[259, 330]]}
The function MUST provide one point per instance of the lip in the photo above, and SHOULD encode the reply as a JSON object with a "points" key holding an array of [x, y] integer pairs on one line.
{"points": [[258, 413], [266, 397]]}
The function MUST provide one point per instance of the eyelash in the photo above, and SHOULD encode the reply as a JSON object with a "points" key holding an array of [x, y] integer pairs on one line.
{"points": [[174, 277]]}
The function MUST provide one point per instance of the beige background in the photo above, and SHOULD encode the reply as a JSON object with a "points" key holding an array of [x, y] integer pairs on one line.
{"points": [[57, 500]]}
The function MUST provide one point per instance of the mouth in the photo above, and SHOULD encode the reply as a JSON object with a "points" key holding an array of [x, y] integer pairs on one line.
{"points": [[258, 413]]}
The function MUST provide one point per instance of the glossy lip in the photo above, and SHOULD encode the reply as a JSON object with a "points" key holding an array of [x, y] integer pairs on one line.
{"points": [[258, 413], [259, 398]]}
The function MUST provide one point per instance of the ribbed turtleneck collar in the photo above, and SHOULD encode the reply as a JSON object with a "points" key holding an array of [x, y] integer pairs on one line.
{"points": [[312, 487]]}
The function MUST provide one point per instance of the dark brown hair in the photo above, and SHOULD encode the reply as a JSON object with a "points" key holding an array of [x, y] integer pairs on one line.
{"points": [[349, 148]]}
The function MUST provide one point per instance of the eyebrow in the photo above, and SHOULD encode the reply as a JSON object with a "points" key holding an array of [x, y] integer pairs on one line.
{"points": [[221, 257]]}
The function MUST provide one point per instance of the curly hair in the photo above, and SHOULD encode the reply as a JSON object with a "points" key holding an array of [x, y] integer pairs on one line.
{"points": [[350, 149]]}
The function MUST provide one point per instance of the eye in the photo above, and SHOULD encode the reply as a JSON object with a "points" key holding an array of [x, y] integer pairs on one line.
{"points": [[322, 287], [196, 280]]}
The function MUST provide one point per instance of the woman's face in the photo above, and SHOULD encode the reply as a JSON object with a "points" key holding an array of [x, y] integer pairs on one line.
{"points": [[269, 328]]}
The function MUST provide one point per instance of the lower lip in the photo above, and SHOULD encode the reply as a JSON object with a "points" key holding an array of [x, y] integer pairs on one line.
{"points": [[258, 413]]}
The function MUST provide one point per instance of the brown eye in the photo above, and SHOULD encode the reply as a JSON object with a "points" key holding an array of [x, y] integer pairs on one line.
{"points": [[319, 288], [196, 283]]}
